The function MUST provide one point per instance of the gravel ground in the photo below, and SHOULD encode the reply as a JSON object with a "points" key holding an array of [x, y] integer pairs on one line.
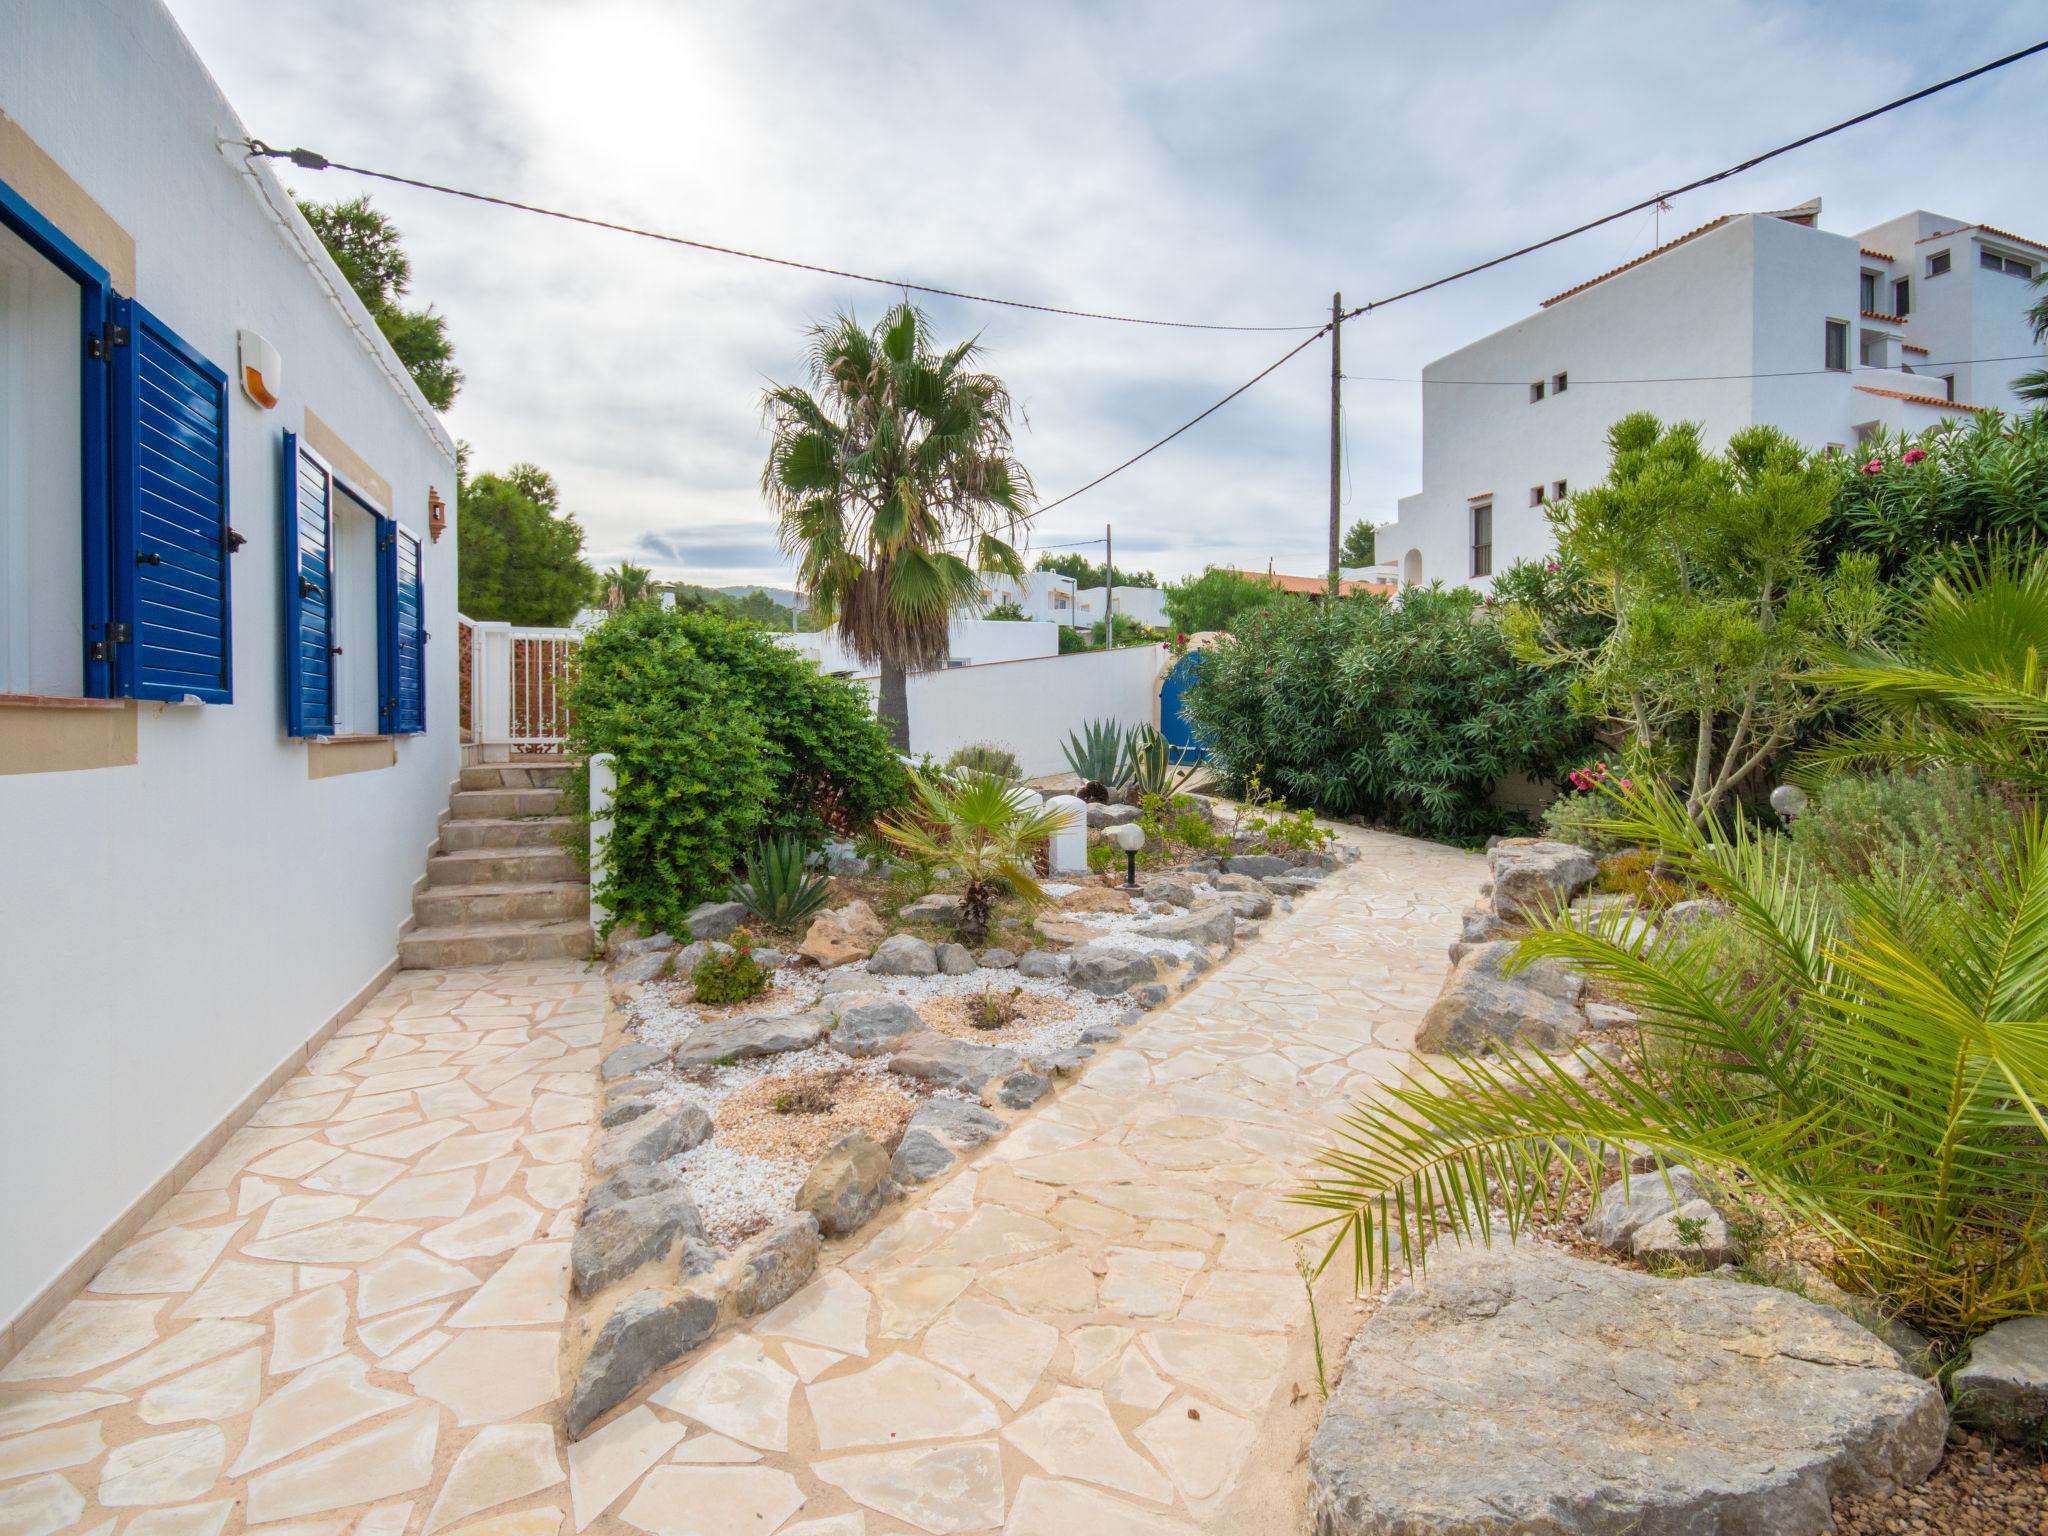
{"points": [[1978, 1490]]}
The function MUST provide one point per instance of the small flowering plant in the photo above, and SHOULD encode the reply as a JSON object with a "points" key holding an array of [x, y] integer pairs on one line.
{"points": [[1598, 777], [1915, 455]]}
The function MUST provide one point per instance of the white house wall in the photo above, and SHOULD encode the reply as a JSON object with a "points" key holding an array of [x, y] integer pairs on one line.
{"points": [[176, 929], [1030, 707], [973, 641]]}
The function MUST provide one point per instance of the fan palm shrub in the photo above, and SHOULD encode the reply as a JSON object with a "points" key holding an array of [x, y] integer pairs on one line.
{"points": [[778, 889], [894, 485], [982, 826], [1879, 1079]]}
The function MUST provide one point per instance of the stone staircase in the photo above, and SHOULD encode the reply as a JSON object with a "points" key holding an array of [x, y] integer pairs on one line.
{"points": [[502, 887]]}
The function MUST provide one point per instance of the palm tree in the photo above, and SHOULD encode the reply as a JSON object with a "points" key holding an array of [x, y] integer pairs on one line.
{"points": [[626, 584], [896, 489]]}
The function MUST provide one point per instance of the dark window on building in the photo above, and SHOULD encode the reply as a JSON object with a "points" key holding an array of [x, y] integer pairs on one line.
{"points": [[1948, 386], [1902, 296], [1482, 538], [1937, 264], [1837, 346], [1559, 382], [1557, 490], [2010, 265], [1535, 391], [1867, 296], [1535, 495]]}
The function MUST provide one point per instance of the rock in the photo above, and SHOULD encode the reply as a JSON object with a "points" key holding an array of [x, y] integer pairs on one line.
{"points": [[939, 907], [1619, 1212], [1098, 1034], [1151, 995], [768, 959], [698, 1257], [1213, 922], [1681, 915], [620, 1238], [635, 1182], [2004, 1386], [1059, 1063], [873, 1028], [651, 944], [845, 1185], [962, 1065], [741, 1039], [1041, 964], [1257, 864], [619, 1111], [1291, 885], [1550, 977], [1661, 1241], [772, 1267], [1605, 1016], [1914, 1347], [1517, 1389], [902, 954], [645, 1332], [1112, 815], [654, 1138], [1532, 878], [955, 959], [1106, 969], [847, 983], [1246, 932], [716, 919], [1480, 926], [630, 1058], [938, 1132], [842, 858], [842, 935], [1480, 1010], [1164, 890], [1238, 883], [637, 969], [998, 960], [1022, 1089], [1249, 906]]}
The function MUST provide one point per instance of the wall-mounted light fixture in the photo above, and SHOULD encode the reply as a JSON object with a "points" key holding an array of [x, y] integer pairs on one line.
{"points": [[437, 514], [262, 369]]}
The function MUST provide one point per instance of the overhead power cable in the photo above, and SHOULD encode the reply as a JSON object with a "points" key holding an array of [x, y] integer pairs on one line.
{"points": [[1706, 181], [1693, 378], [313, 160]]}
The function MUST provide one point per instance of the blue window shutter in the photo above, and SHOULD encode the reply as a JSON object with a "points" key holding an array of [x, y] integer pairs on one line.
{"points": [[410, 664], [387, 626], [170, 546], [306, 526]]}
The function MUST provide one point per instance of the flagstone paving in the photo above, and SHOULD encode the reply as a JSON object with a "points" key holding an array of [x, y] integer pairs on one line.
{"points": [[350, 1322]]}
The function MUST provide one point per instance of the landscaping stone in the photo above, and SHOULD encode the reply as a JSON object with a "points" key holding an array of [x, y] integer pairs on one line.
{"points": [[846, 1185], [1167, 891], [1681, 915], [1249, 906], [637, 969], [1532, 877], [939, 907], [773, 1266], [654, 1138], [740, 1039], [1297, 884], [1112, 815], [1480, 1010], [843, 858], [1517, 1389], [842, 935], [1607, 1016], [1914, 1347], [1041, 964], [938, 1132], [620, 1238], [1212, 923], [1481, 925], [645, 1332], [619, 1111], [903, 954], [1619, 1213], [1061, 1063], [873, 1028], [635, 1182], [1151, 995], [1550, 977], [716, 919], [651, 944], [998, 959], [768, 959], [1105, 969], [1661, 1242], [1257, 864], [962, 1065], [1023, 1088], [630, 1058], [2004, 1385], [847, 983], [1238, 883], [955, 959], [1098, 1034]]}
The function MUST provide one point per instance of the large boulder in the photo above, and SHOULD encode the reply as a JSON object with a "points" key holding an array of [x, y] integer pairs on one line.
{"points": [[1257, 864], [654, 1138], [645, 1332], [842, 935], [720, 1040], [772, 1267], [1212, 923], [1168, 891], [2004, 1385], [940, 907], [965, 1066], [634, 1182], [1552, 977], [1694, 1234], [1107, 968], [716, 919], [1532, 878], [1110, 815], [630, 1058], [1041, 964], [937, 1134], [1517, 1389], [954, 959], [846, 1185], [619, 1238], [1249, 906], [1480, 1010], [904, 954], [873, 1026]]}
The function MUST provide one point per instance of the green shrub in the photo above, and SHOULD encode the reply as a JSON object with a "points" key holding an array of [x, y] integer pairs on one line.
{"points": [[1149, 765], [1405, 714], [1174, 824], [718, 734], [1265, 816], [985, 757], [732, 977], [1217, 599], [1944, 825], [1574, 818], [1633, 873], [778, 889], [1096, 752], [1103, 857], [1072, 640]]}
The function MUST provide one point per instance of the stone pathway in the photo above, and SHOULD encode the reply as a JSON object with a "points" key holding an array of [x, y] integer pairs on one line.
{"points": [[350, 1323]]}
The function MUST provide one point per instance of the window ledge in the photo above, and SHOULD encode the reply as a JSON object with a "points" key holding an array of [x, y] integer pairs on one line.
{"points": [[63, 735], [347, 741], [329, 757], [57, 701]]}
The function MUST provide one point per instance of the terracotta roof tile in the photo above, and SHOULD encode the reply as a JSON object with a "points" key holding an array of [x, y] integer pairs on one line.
{"points": [[1878, 255], [1910, 346], [1806, 213], [1994, 232], [1316, 586], [1873, 314], [1911, 399]]}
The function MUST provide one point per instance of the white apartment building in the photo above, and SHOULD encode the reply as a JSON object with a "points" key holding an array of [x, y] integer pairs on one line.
{"points": [[1139, 605], [1041, 594], [1754, 317]]}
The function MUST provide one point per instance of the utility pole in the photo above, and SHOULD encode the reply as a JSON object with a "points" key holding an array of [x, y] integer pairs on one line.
{"points": [[1108, 590], [1336, 430]]}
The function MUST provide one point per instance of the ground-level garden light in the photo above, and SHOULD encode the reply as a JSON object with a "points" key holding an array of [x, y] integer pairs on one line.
{"points": [[1789, 801], [1130, 837]]}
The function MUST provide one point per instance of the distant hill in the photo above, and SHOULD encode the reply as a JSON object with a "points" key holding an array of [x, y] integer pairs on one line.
{"points": [[781, 596]]}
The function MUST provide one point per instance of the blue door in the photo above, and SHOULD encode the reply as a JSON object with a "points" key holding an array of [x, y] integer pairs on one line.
{"points": [[1173, 724]]}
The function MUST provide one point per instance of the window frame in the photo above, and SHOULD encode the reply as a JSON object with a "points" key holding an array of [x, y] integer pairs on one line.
{"points": [[1902, 296], [1481, 510], [1536, 393], [1866, 289], [1836, 331], [1940, 263], [1559, 383]]}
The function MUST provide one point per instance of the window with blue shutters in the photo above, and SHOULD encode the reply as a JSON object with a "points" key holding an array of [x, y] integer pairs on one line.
{"points": [[307, 539], [404, 612]]}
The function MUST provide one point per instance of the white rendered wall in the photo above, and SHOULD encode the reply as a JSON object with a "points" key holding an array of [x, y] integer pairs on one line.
{"points": [[174, 930], [974, 641], [1029, 707], [1142, 605]]}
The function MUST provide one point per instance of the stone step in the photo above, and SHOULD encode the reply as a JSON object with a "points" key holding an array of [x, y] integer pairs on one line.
{"points": [[469, 804], [502, 866], [507, 832], [520, 773], [429, 949], [454, 906]]}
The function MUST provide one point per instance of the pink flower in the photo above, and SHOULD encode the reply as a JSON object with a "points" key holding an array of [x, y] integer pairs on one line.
{"points": [[1627, 784], [1874, 467], [1915, 455]]}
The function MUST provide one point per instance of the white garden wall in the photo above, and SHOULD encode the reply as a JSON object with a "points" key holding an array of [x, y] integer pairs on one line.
{"points": [[1029, 707]]}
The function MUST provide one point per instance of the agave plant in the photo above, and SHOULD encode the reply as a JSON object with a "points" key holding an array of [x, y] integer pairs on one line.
{"points": [[1096, 753], [1149, 765], [1879, 1080], [778, 889], [985, 827]]}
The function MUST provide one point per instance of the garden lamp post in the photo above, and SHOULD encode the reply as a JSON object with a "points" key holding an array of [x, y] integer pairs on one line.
{"points": [[1130, 837], [1789, 800]]}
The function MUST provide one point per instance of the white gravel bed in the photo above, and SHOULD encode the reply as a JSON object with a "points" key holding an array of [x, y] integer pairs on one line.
{"points": [[1084, 1008], [738, 1195], [1121, 929], [657, 1021]]}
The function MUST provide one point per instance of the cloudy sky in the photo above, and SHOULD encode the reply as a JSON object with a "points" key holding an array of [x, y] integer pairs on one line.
{"points": [[1186, 160]]}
